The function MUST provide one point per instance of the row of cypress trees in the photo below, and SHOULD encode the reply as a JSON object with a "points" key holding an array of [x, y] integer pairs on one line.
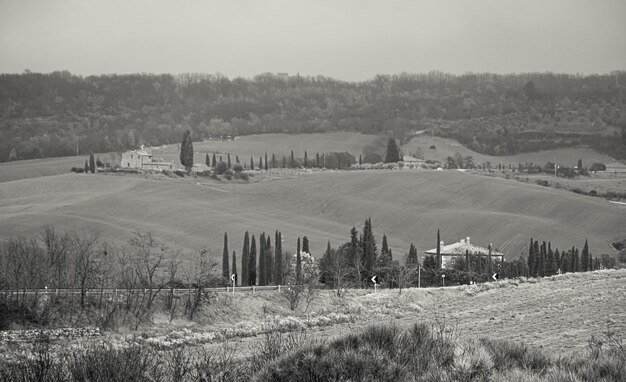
{"points": [[266, 268], [334, 160], [543, 261]]}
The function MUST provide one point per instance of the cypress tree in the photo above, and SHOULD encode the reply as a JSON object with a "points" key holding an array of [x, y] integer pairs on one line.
{"points": [[550, 263], [490, 263], [305, 245], [317, 160], [236, 158], [252, 263], [92, 164], [265, 161], [234, 270], [221, 159], [228, 157], [306, 160], [369, 245], [439, 259], [214, 163], [393, 154], [292, 162], [245, 260], [260, 162], [584, 259], [284, 162], [186, 151], [273, 160], [279, 258], [576, 261], [251, 164], [86, 169], [324, 160], [262, 260], [468, 267], [225, 266], [384, 250], [360, 160], [541, 266], [557, 261], [531, 258], [269, 270], [207, 160], [298, 264], [411, 259]]}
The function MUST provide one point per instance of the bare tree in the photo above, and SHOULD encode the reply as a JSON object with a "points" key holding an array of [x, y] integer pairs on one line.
{"points": [[149, 257], [86, 264], [402, 275], [199, 275], [56, 248]]}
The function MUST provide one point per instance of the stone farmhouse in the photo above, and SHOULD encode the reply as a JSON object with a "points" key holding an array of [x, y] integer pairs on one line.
{"points": [[456, 250], [143, 159]]}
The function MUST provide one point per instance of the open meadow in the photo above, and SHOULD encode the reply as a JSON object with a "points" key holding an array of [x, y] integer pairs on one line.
{"points": [[408, 206]]}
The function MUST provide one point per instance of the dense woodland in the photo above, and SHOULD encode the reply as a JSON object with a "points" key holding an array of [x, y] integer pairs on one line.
{"points": [[57, 114]]}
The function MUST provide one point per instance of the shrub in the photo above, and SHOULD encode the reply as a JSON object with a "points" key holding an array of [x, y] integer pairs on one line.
{"points": [[221, 168], [179, 173], [243, 176], [433, 147], [237, 168]]}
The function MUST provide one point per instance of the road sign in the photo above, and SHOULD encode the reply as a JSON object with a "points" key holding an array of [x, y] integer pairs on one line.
{"points": [[233, 277], [495, 276], [374, 279]]}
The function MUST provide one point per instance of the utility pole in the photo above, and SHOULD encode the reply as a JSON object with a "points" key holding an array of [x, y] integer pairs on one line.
{"points": [[419, 276], [77, 145]]}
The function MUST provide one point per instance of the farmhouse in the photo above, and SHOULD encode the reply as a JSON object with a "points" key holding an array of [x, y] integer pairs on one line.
{"points": [[456, 250], [142, 159]]}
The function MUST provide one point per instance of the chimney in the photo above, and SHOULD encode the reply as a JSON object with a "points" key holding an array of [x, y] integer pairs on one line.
{"points": [[441, 243], [467, 240]]}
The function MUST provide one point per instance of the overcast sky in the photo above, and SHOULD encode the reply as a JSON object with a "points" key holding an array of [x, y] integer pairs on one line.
{"points": [[344, 39]]}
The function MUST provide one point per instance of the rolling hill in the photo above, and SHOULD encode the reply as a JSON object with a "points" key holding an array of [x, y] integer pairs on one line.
{"points": [[408, 206], [445, 147]]}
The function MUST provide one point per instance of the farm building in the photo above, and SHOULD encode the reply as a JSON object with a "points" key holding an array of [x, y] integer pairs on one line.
{"points": [[452, 251], [142, 159]]}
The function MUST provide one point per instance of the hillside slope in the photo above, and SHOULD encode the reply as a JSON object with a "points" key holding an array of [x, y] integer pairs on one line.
{"points": [[407, 206]]}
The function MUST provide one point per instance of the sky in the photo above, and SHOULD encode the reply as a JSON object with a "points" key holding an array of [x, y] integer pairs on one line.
{"points": [[351, 40]]}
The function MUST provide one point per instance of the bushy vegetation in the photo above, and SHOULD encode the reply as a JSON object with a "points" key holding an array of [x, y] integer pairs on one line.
{"points": [[378, 353], [43, 115]]}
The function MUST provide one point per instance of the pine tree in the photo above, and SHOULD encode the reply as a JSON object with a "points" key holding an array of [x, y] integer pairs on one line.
{"points": [[245, 260], [356, 259], [576, 260], [234, 270], [265, 161], [298, 264], [384, 250], [557, 261], [439, 258], [306, 160], [252, 263], [584, 258], [305, 245], [262, 260], [186, 151], [92, 164], [214, 163], [228, 158], [207, 160], [550, 262], [393, 154], [225, 266], [273, 160]]}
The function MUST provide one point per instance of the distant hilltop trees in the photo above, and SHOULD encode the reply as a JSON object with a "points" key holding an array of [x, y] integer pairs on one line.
{"points": [[60, 114]]}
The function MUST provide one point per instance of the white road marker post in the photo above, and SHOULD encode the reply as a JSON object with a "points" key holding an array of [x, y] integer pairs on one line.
{"points": [[234, 278], [375, 284], [495, 277], [419, 276], [443, 280]]}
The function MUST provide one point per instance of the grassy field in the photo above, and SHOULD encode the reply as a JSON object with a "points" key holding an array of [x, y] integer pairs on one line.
{"points": [[408, 206], [34, 168], [448, 147]]}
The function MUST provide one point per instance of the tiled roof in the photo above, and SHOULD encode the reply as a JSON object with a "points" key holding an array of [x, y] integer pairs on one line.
{"points": [[461, 247]]}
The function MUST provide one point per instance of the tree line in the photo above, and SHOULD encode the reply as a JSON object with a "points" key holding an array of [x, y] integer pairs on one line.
{"points": [[60, 114]]}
